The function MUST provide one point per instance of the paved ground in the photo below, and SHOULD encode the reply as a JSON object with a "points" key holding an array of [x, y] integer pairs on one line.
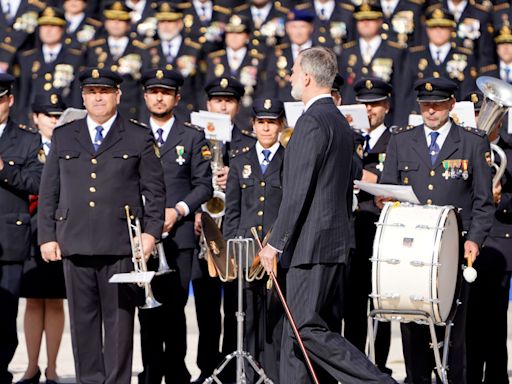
{"points": [[66, 367]]}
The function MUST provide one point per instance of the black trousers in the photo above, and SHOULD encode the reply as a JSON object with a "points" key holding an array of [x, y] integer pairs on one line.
{"points": [[163, 330], [487, 320], [101, 318], [10, 282], [313, 294]]}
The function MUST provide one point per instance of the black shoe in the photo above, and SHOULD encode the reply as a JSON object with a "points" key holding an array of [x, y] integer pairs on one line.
{"points": [[48, 381], [33, 380]]}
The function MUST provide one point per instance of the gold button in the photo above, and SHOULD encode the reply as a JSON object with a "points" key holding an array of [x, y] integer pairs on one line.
{"points": [[262, 198], [11, 162], [321, 39], [202, 30], [92, 189], [67, 157], [92, 204], [48, 76], [113, 68], [202, 40], [430, 187], [262, 184], [101, 65], [260, 228], [47, 86], [406, 168], [8, 39], [61, 218], [406, 180], [94, 161], [125, 156], [429, 202], [93, 175], [507, 235], [19, 222], [432, 173], [322, 30], [260, 213], [244, 186], [364, 70], [257, 33]]}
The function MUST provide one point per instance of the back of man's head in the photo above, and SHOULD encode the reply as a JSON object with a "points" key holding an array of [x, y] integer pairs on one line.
{"points": [[321, 64]]}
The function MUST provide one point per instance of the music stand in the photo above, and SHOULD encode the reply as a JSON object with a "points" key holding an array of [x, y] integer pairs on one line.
{"points": [[242, 250]]}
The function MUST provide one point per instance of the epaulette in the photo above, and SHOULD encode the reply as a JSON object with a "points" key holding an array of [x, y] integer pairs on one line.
{"points": [[27, 128], [139, 123], [193, 44], [139, 44], [75, 51], [417, 48], [464, 50], [397, 130], [302, 6], [476, 131], [241, 8], [94, 22], [394, 44], [153, 44], [350, 44], [282, 46], [8, 47], [488, 68], [95, 43], [37, 3], [218, 53], [248, 133], [29, 52], [184, 5], [254, 53], [235, 152], [223, 10], [501, 7], [417, 2], [348, 7], [278, 7]]}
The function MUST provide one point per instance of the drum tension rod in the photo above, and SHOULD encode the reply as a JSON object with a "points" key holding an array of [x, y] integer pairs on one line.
{"points": [[389, 261], [417, 263]]}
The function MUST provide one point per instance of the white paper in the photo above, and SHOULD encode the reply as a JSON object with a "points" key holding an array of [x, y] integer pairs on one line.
{"points": [[132, 277], [217, 126], [356, 115], [293, 110], [403, 193], [463, 114], [71, 114]]}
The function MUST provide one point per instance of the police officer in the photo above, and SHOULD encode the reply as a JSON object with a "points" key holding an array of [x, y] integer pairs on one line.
{"points": [[375, 95], [79, 27], [440, 58], [503, 67], [121, 54], [97, 167], [370, 55], [185, 158], [50, 67], [20, 173], [402, 21], [446, 165], [486, 344], [253, 196]]}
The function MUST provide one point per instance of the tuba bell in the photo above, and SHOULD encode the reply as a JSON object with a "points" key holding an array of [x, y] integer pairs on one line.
{"points": [[497, 101]]}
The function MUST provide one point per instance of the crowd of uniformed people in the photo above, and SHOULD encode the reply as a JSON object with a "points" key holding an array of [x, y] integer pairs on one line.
{"points": [[139, 68]]}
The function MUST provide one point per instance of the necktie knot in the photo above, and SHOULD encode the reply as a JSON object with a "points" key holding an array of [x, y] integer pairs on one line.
{"points": [[438, 57], [98, 139], [266, 160], [367, 143], [160, 137], [433, 147]]}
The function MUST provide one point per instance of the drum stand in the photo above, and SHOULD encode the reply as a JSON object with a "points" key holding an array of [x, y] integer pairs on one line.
{"points": [[244, 251], [441, 364]]}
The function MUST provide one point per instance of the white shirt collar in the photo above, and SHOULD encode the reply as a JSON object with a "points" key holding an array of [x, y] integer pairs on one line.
{"points": [[166, 127], [91, 126], [328, 8], [273, 149], [46, 143], [137, 9], [456, 9], [208, 8], [376, 134], [389, 5], [297, 48], [74, 21], [263, 11], [374, 44], [55, 51], [2, 128], [122, 42], [443, 133], [310, 102], [444, 50]]}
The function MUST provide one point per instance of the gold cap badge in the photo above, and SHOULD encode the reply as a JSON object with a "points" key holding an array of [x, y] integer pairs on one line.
{"points": [[95, 74], [159, 74], [368, 84], [235, 20], [224, 83], [428, 87], [54, 98], [474, 98]]}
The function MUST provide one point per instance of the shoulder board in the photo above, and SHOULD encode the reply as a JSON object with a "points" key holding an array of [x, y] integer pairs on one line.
{"points": [[418, 2], [139, 123], [139, 44], [418, 48], [396, 130], [8, 47], [348, 7], [282, 46], [75, 51], [350, 44], [466, 51], [94, 22], [478, 132], [223, 10], [29, 52], [218, 53], [27, 128], [183, 5], [240, 8], [501, 7], [95, 43], [191, 43], [302, 6], [235, 152], [257, 55], [153, 44], [432, 7], [278, 7], [394, 44], [248, 133], [39, 4], [489, 68]]}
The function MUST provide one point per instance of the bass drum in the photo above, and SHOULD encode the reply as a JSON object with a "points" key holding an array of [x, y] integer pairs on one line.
{"points": [[416, 261]]}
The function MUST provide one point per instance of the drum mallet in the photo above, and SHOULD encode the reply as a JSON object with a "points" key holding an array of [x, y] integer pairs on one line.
{"points": [[470, 273]]}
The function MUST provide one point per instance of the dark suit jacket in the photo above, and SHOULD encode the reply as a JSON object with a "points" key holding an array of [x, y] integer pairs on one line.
{"points": [[250, 192], [190, 182], [314, 217], [19, 178], [83, 193], [408, 162]]}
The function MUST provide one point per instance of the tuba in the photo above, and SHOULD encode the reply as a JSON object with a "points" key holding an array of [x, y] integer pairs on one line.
{"points": [[497, 101]]}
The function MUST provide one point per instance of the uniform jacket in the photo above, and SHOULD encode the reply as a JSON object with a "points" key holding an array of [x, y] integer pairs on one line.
{"points": [[252, 198], [404, 25], [280, 64], [19, 178], [313, 224], [408, 162], [87, 30], [83, 193], [190, 182]]}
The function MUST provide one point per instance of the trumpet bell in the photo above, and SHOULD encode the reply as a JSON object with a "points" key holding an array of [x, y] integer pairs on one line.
{"points": [[216, 206], [150, 303], [498, 98]]}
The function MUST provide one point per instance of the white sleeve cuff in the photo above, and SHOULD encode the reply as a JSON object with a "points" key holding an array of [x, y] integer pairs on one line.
{"points": [[184, 206]]}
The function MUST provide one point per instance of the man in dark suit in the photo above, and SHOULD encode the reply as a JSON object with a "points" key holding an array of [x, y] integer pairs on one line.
{"points": [[185, 158], [97, 167], [421, 157], [312, 229], [20, 173], [375, 95]]}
